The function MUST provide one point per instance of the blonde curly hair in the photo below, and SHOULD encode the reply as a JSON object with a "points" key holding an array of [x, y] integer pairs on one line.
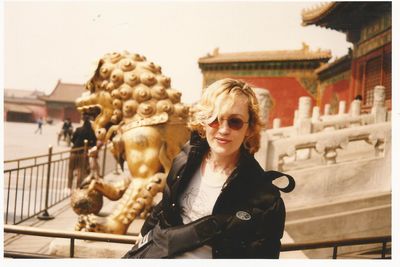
{"points": [[204, 109]]}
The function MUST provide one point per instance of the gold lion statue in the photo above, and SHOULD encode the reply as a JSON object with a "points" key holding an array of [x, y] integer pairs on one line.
{"points": [[135, 109]]}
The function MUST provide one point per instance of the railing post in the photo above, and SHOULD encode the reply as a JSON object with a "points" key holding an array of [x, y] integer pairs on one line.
{"points": [[45, 215], [72, 248], [334, 256], [383, 255]]}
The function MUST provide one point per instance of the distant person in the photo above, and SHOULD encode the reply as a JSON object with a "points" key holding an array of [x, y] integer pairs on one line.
{"points": [[39, 124], [66, 130], [79, 161]]}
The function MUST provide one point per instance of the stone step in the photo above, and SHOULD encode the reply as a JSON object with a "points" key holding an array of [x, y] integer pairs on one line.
{"points": [[338, 221]]}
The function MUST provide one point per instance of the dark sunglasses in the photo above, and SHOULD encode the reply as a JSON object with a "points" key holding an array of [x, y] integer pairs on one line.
{"points": [[233, 123]]}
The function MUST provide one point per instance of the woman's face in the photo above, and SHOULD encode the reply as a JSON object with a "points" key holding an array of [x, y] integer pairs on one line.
{"points": [[224, 140]]}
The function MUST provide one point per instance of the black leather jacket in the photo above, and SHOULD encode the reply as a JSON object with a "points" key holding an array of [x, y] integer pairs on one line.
{"points": [[249, 190]]}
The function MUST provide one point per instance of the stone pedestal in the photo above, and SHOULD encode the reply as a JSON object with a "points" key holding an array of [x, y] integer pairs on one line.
{"points": [[304, 124], [355, 108], [265, 104], [276, 123], [378, 109], [342, 107], [303, 117], [327, 109], [315, 117]]}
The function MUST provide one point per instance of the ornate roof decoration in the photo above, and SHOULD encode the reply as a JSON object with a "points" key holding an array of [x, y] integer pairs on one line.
{"points": [[303, 54], [344, 16], [315, 13]]}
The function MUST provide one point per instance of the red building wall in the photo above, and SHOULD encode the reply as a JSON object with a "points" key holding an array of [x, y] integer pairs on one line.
{"points": [[61, 112], [285, 93], [335, 92], [383, 73]]}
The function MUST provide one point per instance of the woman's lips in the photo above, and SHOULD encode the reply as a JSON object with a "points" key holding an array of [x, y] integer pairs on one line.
{"points": [[222, 140]]}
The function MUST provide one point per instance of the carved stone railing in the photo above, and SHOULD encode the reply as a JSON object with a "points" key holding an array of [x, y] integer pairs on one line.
{"points": [[326, 145], [312, 133], [342, 121], [308, 121]]}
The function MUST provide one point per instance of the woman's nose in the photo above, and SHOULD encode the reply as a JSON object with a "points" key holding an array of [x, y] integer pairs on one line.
{"points": [[224, 127]]}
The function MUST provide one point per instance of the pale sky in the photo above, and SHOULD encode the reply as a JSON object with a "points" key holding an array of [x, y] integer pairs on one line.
{"points": [[47, 41]]}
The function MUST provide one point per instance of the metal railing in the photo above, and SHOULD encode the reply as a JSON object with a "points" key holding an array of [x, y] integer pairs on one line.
{"points": [[335, 244], [72, 235], [34, 184], [125, 239]]}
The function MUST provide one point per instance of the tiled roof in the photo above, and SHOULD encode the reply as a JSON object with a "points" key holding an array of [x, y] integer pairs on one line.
{"points": [[263, 56], [311, 15], [340, 65], [345, 16], [65, 92], [17, 108], [333, 63], [17, 93], [24, 101]]}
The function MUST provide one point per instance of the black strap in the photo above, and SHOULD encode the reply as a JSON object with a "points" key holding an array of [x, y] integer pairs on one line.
{"points": [[275, 174]]}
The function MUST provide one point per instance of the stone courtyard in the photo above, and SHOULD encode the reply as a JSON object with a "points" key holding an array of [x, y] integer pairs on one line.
{"points": [[20, 139]]}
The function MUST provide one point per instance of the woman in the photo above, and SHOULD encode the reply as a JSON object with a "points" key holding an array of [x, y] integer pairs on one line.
{"points": [[218, 201]]}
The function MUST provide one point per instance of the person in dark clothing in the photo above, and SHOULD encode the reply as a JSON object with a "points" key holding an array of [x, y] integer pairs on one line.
{"points": [[85, 132], [67, 128], [39, 124], [78, 159], [66, 131], [218, 201]]}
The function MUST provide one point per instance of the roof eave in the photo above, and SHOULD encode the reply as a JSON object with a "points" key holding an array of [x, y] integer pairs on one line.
{"points": [[260, 61], [310, 17]]}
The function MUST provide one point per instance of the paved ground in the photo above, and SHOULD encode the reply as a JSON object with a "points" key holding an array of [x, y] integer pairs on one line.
{"points": [[20, 139]]}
